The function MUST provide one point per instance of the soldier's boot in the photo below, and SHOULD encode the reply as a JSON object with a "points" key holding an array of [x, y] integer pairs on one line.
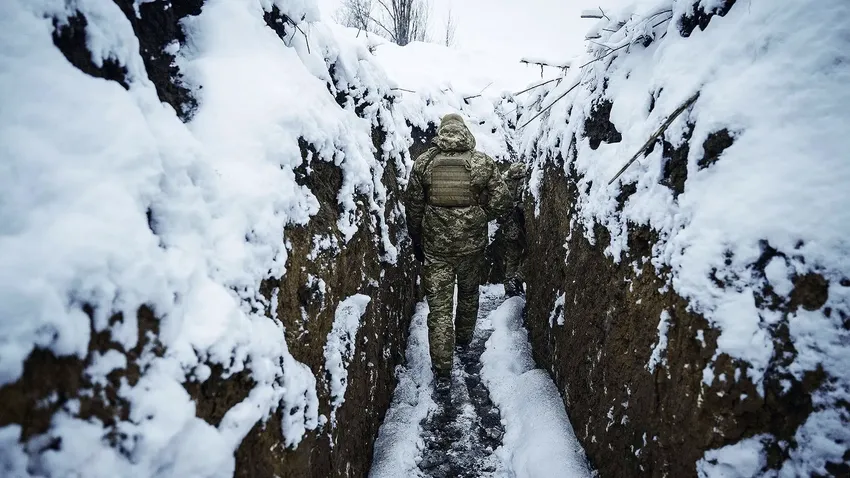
{"points": [[443, 388]]}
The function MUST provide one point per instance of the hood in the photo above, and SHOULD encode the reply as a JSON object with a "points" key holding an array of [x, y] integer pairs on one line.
{"points": [[453, 135]]}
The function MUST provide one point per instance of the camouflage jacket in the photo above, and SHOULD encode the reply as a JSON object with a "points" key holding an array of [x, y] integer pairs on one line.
{"points": [[455, 231], [513, 224]]}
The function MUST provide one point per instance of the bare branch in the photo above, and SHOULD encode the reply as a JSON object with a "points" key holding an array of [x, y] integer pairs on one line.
{"points": [[382, 27], [451, 29], [550, 105], [537, 86], [657, 133], [389, 12]]}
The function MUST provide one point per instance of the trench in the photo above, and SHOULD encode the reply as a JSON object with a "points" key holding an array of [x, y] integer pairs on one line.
{"points": [[630, 419]]}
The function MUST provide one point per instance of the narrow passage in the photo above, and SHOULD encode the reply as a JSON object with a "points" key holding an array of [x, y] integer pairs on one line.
{"points": [[503, 417]]}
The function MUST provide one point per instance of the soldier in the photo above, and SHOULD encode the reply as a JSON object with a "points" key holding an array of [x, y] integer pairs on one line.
{"points": [[513, 229], [453, 192]]}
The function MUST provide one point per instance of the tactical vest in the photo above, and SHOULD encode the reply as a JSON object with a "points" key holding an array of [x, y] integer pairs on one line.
{"points": [[450, 182]]}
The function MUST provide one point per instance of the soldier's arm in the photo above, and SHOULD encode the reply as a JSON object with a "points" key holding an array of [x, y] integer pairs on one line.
{"points": [[501, 200], [415, 199]]}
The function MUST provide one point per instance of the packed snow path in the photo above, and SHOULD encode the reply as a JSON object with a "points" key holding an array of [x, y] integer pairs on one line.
{"points": [[525, 433], [461, 435]]}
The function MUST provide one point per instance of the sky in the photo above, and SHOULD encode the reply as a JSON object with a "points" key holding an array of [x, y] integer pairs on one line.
{"points": [[550, 29]]}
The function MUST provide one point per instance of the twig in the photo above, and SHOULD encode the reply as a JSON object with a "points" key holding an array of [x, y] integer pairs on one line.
{"points": [[306, 38], [659, 13], [402, 89], [662, 21], [657, 133], [597, 43], [479, 93], [603, 14], [538, 85], [391, 34], [550, 104], [387, 8], [605, 55]]}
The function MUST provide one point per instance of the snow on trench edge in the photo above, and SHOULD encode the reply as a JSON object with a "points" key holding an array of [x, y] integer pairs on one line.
{"points": [[539, 439], [399, 439]]}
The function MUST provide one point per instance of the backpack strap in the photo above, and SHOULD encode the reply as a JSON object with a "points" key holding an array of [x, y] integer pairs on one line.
{"points": [[432, 153]]}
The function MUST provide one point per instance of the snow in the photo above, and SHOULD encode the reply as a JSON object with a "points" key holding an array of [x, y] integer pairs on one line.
{"points": [[539, 439], [432, 81], [341, 345], [399, 441], [773, 74], [13, 460], [108, 200], [741, 460], [551, 62], [659, 350], [592, 13], [104, 363], [557, 314], [778, 274]]}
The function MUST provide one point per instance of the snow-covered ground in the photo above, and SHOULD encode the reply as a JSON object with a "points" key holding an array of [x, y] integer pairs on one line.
{"points": [[538, 439], [399, 441], [109, 201]]}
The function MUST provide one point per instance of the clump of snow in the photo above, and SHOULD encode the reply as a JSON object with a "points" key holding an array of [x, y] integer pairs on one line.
{"points": [[399, 438], [341, 344], [104, 363], [557, 314], [740, 460], [555, 63], [539, 439], [774, 75], [659, 350]]}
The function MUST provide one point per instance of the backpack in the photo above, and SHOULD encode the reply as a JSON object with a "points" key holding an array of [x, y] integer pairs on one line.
{"points": [[449, 179]]}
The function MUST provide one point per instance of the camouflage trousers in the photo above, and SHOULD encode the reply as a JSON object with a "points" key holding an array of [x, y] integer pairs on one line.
{"points": [[439, 274], [514, 256]]}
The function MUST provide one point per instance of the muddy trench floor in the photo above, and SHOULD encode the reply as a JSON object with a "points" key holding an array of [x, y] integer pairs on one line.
{"points": [[462, 434]]}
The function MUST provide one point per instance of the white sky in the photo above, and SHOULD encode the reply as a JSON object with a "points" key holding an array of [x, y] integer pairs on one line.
{"points": [[550, 29]]}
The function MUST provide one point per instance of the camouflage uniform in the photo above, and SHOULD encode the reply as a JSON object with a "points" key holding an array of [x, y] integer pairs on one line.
{"points": [[513, 228], [453, 192]]}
